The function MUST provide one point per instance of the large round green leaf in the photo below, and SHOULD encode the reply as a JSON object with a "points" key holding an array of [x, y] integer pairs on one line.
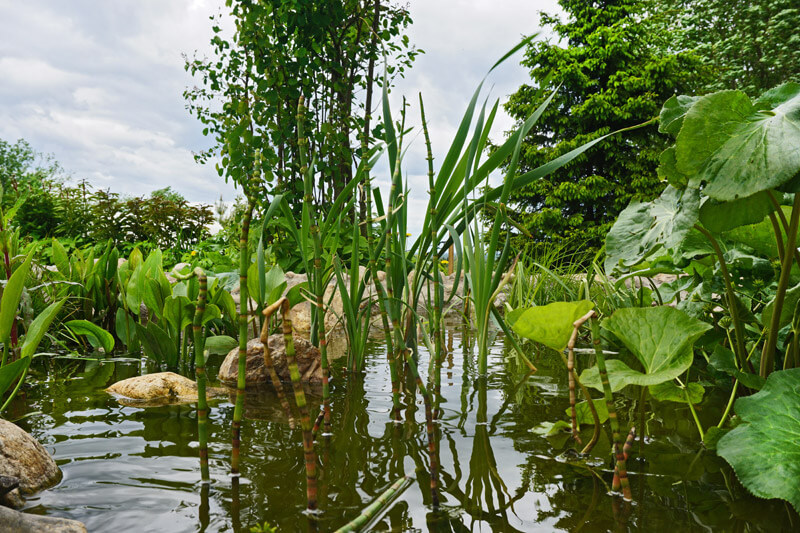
{"points": [[551, 324], [643, 229], [738, 148], [765, 450], [661, 338]]}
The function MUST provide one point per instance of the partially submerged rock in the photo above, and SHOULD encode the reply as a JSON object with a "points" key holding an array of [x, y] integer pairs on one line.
{"points": [[15, 522], [308, 362], [23, 458], [158, 389]]}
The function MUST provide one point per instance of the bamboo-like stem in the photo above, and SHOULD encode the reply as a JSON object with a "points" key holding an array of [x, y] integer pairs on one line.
{"points": [[620, 481], [373, 509], [576, 326], [200, 372], [768, 354], [432, 449], [244, 296], [302, 406], [318, 281], [273, 375], [733, 307], [436, 314]]}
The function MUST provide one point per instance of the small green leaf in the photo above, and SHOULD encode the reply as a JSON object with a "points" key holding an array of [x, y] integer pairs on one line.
{"points": [[97, 336], [550, 429], [125, 327], [584, 415], [669, 391], [551, 324], [764, 450], [220, 344]]}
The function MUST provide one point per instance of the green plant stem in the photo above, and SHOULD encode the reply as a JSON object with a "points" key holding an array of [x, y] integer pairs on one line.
{"points": [[768, 354], [733, 307], [776, 228], [620, 481], [16, 390], [302, 406], [729, 405], [244, 296], [318, 318], [373, 509], [694, 414], [200, 372]]}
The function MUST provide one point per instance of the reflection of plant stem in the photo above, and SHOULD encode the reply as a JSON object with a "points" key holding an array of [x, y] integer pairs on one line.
{"points": [[733, 307], [432, 448], [620, 480], [768, 355], [302, 406], [200, 371], [691, 408]]}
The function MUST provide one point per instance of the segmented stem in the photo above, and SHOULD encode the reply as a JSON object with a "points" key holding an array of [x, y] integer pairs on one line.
{"points": [[200, 372], [376, 507], [620, 481], [273, 375], [433, 455], [244, 296], [302, 406]]}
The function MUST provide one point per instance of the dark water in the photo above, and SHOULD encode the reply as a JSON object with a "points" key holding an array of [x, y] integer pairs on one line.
{"points": [[132, 469]]}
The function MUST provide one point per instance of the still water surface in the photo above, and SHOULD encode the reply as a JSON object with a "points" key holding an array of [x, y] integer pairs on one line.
{"points": [[130, 469]]}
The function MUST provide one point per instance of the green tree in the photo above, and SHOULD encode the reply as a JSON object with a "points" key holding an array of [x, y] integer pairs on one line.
{"points": [[609, 70], [281, 50], [751, 45]]}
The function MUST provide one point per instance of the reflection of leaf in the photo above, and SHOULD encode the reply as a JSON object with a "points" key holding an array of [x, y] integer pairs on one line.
{"points": [[661, 338], [643, 229], [764, 449], [551, 324], [549, 429], [738, 148]]}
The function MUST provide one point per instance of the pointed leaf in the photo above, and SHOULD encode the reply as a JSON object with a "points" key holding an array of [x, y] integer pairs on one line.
{"points": [[39, 327], [97, 336]]}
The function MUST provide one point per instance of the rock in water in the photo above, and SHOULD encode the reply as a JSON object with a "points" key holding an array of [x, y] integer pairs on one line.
{"points": [[308, 362], [158, 389], [16, 522], [23, 458]]}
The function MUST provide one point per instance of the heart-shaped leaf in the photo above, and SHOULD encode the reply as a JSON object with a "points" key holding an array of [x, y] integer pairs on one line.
{"points": [[737, 147], [661, 338], [643, 229], [764, 450], [551, 324]]}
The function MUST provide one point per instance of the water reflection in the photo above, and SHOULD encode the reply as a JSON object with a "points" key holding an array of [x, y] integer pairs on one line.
{"points": [[132, 469]]}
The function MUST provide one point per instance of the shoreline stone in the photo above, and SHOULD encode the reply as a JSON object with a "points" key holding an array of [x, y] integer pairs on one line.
{"points": [[161, 388], [24, 458]]}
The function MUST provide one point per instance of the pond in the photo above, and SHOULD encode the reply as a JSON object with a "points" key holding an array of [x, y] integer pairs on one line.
{"points": [[136, 469]]}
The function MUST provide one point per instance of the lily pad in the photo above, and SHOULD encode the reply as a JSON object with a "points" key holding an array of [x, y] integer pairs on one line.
{"points": [[764, 450], [737, 147], [584, 415], [643, 229], [551, 324], [661, 338]]}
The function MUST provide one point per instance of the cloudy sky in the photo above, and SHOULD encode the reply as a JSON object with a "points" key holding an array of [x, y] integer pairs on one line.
{"points": [[99, 83]]}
